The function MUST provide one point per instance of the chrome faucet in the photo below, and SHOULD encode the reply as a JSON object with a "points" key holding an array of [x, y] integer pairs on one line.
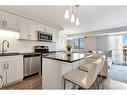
{"points": [[3, 43]]}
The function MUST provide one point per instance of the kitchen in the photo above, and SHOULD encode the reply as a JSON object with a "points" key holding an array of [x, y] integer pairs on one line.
{"points": [[21, 38]]}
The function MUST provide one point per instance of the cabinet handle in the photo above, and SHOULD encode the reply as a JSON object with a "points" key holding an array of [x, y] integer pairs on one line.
{"points": [[2, 22], [2, 82], [5, 66], [5, 22], [18, 30]]}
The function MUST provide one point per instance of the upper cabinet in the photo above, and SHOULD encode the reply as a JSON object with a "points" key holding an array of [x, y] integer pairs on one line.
{"points": [[28, 29], [32, 30], [23, 28], [2, 15], [8, 21], [11, 21]]}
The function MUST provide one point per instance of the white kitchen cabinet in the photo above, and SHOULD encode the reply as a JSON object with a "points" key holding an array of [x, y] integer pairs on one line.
{"points": [[11, 68], [15, 69], [28, 29], [41, 27], [3, 72], [55, 36], [2, 18], [53, 71], [23, 28], [54, 33], [11, 21], [32, 30], [8, 21]]}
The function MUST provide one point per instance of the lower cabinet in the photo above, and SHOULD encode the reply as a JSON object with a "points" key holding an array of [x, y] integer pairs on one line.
{"points": [[11, 69], [3, 73]]}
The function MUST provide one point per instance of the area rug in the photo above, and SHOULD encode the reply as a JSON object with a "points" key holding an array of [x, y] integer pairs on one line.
{"points": [[118, 73]]}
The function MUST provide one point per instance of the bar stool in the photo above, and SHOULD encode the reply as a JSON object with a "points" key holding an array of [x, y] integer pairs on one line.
{"points": [[1, 81], [81, 78], [86, 66]]}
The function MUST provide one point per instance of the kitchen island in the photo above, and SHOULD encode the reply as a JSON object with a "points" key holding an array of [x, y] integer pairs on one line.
{"points": [[55, 65]]}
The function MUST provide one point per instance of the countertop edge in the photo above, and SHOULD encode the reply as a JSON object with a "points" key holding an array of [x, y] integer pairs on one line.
{"points": [[64, 60]]}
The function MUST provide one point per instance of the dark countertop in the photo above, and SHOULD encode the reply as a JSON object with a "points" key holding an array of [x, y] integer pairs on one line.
{"points": [[62, 56], [17, 53], [10, 54], [30, 54]]}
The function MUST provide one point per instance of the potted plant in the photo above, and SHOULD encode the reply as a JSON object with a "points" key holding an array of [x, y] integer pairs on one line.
{"points": [[69, 46]]}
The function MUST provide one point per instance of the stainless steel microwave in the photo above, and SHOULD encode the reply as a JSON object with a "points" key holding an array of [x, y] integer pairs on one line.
{"points": [[43, 36]]}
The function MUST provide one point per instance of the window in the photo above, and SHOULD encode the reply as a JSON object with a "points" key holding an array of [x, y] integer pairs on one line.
{"points": [[78, 43], [125, 40]]}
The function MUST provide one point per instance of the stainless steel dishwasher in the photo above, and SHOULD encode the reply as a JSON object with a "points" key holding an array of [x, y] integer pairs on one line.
{"points": [[32, 64]]}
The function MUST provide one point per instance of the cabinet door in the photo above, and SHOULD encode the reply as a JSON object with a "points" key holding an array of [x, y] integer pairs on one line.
{"points": [[32, 30], [2, 15], [11, 21], [23, 28], [3, 72], [14, 71], [41, 27]]}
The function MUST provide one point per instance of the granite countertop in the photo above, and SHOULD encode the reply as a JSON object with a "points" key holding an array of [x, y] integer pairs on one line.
{"points": [[10, 54], [30, 54], [18, 53], [62, 56]]}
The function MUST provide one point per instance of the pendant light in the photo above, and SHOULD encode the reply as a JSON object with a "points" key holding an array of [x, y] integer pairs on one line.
{"points": [[66, 13], [77, 17], [72, 15]]}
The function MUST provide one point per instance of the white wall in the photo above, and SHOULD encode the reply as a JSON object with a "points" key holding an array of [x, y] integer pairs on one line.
{"points": [[21, 45], [101, 43], [90, 43]]}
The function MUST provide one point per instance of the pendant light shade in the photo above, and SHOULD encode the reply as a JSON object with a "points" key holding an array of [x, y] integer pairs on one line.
{"points": [[72, 15], [77, 22], [77, 17], [66, 13], [72, 18]]}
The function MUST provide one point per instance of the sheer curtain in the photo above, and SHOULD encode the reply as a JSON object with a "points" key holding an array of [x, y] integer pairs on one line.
{"points": [[115, 43]]}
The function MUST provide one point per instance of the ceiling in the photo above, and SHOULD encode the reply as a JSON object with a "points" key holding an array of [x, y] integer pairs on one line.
{"points": [[92, 18]]}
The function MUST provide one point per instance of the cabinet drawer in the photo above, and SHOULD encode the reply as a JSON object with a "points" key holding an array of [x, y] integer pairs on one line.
{"points": [[11, 58]]}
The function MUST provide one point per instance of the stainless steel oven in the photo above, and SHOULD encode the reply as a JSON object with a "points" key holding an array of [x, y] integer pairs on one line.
{"points": [[43, 36]]}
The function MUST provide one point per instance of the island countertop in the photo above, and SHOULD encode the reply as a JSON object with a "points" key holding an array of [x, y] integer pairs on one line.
{"points": [[62, 56]]}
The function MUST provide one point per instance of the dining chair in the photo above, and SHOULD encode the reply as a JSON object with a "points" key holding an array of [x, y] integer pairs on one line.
{"points": [[81, 78]]}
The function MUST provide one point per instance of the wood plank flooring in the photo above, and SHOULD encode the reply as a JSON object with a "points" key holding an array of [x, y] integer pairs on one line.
{"points": [[35, 83]]}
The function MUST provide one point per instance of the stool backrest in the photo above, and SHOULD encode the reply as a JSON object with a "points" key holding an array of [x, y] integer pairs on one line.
{"points": [[103, 61], [93, 71]]}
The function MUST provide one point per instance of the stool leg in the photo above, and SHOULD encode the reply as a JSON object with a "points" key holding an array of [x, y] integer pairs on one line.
{"points": [[64, 83]]}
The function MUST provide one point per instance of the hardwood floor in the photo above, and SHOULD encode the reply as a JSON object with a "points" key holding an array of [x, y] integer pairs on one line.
{"points": [[35, 83]]}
